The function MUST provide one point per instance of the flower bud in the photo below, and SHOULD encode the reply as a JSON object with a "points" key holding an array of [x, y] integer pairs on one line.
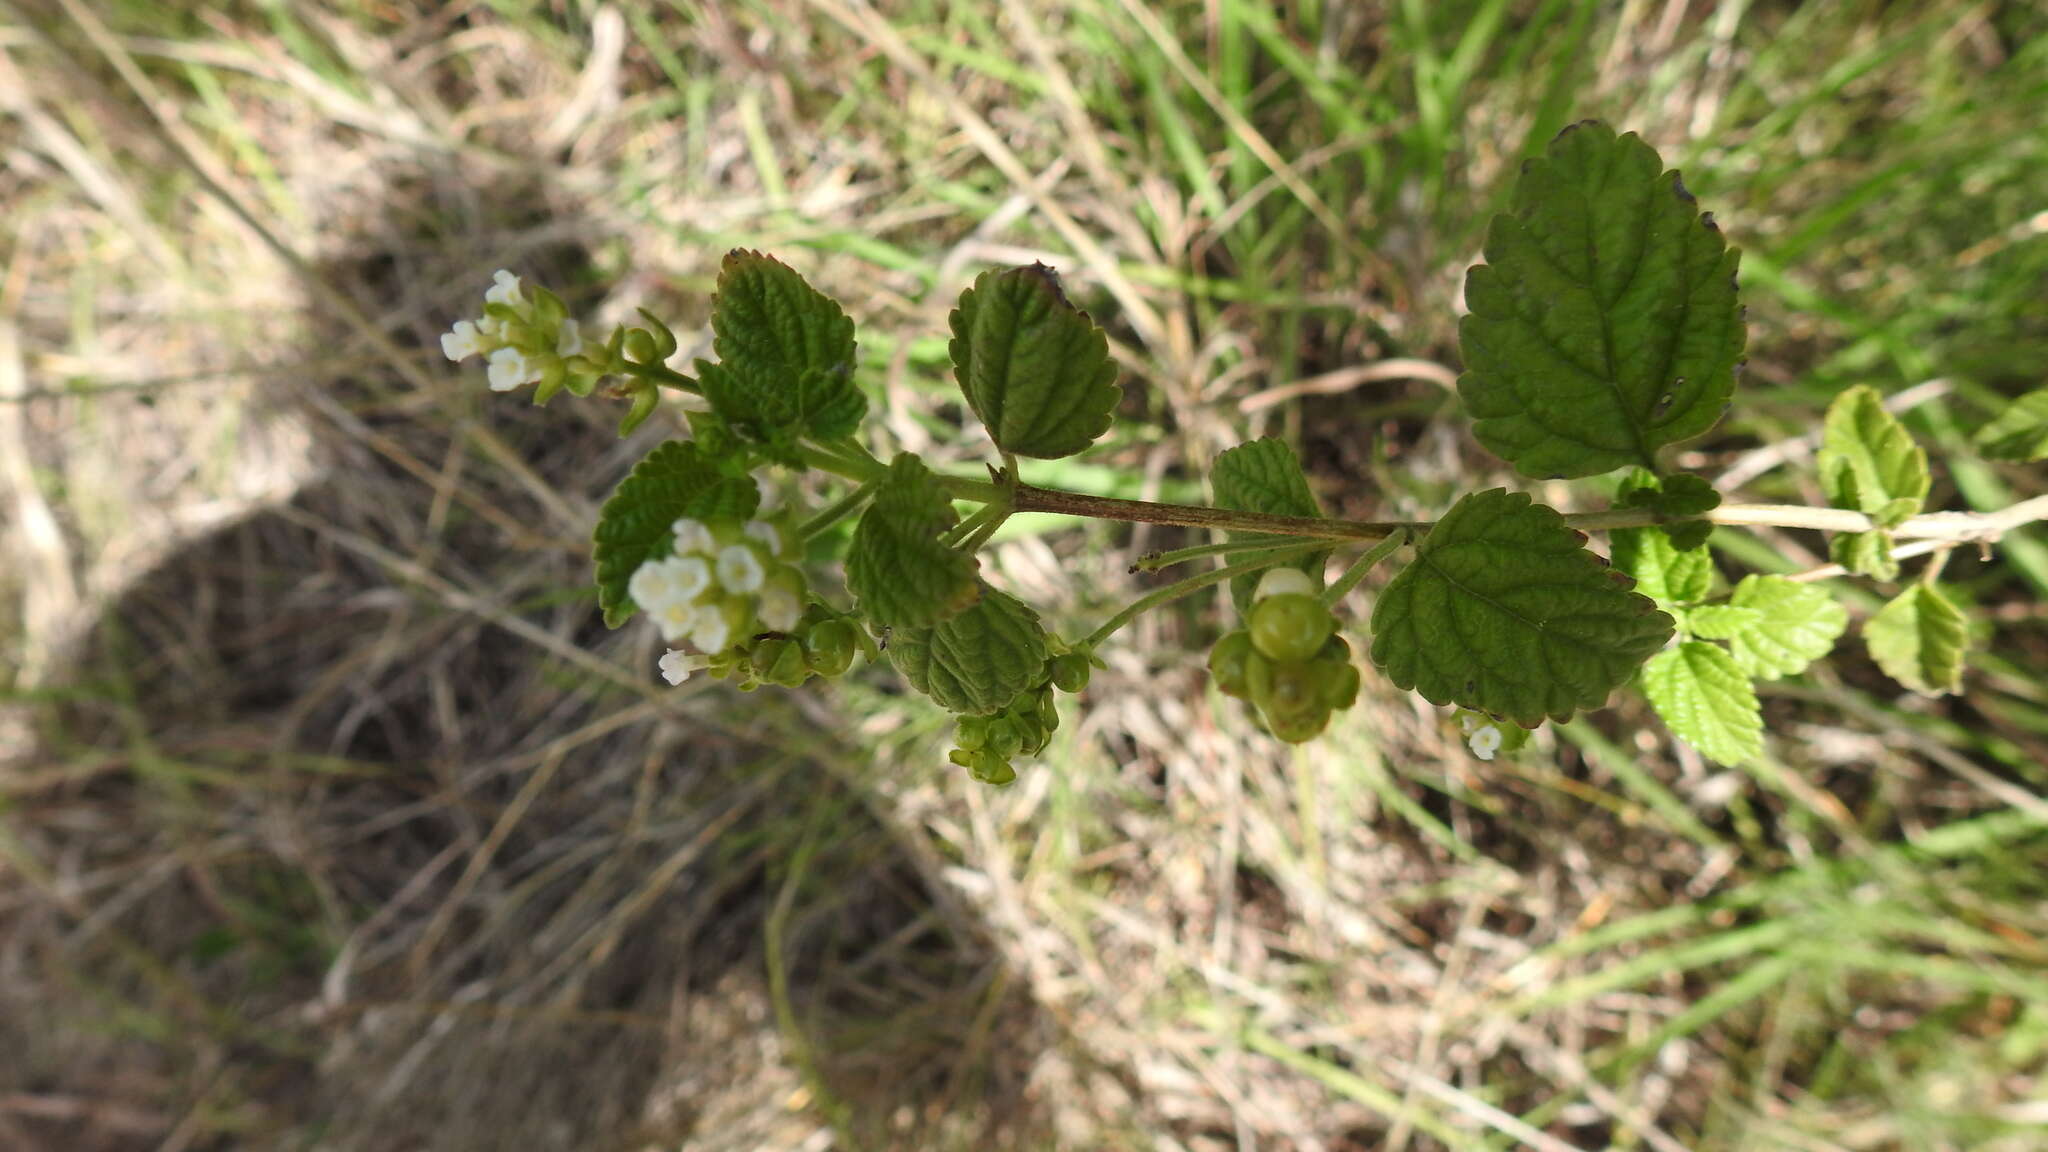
{"points": [[829, 647], [1070, 671], [1228, 663], [1291, 627]]}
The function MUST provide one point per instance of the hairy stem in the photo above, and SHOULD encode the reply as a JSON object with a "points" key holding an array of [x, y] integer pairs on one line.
{"points": [[1180, 588], [1335, 593]]}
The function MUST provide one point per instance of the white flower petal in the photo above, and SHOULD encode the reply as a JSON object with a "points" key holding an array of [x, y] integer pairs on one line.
{"points": [[765, 532], [679, 618], [509, 370], [460, 342], [779, 611], [1284, 581], [675, 665], [504, 289], [693, 536], [691, 574], [570, 342], [711, 633], [650, 587], [1485, 742], [739, 570]]}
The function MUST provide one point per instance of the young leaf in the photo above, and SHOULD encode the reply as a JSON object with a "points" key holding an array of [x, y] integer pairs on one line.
{"points": [[896, 567], [677, 479], [1035, 369], [978, 661], [1505, 611], [786, 354], [1795, 624], [1706, 700], [2020, 432], [1918, 639], [1264, 476], [1865, 553], [1676, 496], [1660, 570], [1604, 323], [1869, 463], [1720, 621]]}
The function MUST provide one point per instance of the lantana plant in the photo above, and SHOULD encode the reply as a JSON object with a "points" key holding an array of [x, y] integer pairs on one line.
{"points": [[1604, 327]]}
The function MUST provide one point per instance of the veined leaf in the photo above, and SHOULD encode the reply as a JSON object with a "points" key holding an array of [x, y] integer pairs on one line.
{"points": [[897, 568], [1795, 625], [1505, 611], [1604, 322], [677, 479], [1676, 496], [1865, 553], [976, 662], [785, 354], [1264, 476], [1919, 639], [1660, 570], [2020, 432], [1869, 463], [1720, 621], [1034, 368], [1706, 700]]}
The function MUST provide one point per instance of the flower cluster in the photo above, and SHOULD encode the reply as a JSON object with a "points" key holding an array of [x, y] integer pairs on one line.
{"points": [[523, 339], [723, 582], [1290, 663], [985, 744]]}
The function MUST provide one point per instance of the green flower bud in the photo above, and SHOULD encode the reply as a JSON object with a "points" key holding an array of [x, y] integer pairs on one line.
{"points": [[1048, 711], [992, 769], [962, 757], [664, 340], [830, 645], [1228, 663], [1300, 728], [1004, 739], [1031, 735], [1070, 671], [781, 662], [640, 347], [1340, 684], [971, 732], [1291, 627], [1293, 689]]}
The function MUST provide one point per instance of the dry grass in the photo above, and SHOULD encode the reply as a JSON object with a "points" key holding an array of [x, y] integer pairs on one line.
{"points": [[331, 817]]}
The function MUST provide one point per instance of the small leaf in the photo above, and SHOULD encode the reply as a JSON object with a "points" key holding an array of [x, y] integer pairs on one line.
{"points": [[1919, 639], [1720, 621], [1676, 497], [1869, 463], [1795, 625], [677, 479], [1604, 323], [897, 568], [1506, 612], [1264, 476], [1706, 700], [785, 354], [1035, 369], [1865, 553], [2020, 432], [1660, 570], [978, 661]]}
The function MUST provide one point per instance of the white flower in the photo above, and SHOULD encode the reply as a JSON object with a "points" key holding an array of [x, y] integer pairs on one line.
{"points": [[673, 580], [675, 665], [771, 495], [739, 570], [765, 532], [510, 368], [504, 290], [711, 632], [677, 618], [1284, 582], [1485, 742], [780, 609], [570, 342], [693, 536], [462, 341], [491, 327]]}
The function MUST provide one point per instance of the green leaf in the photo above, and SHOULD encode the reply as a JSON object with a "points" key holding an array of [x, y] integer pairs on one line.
{"points": [[903, 576], [1675, 497], [1720, 621], [1604, 322], [677, 479], [1919, 639], [1869, 463], [785, 355], [1795, 625], [1660, 570], [1035, 369], [1264, 476], [1706, 700], [1865, 553], [2020, 432], [1506, 612], [977, 662]]}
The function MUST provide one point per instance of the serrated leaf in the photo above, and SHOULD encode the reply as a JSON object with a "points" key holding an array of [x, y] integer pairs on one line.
{"points": [[1676, 496], [1604, 323], [785, 354], [677, 479], [1865, 553], [1869, 463], [1795, 625], [1661, 571], [2020, 432], [978, 661], [1034, 368], [1264, 476], [1505, 611], [1919, 639], [1706, 701], [896, 566], [1720, 621]]}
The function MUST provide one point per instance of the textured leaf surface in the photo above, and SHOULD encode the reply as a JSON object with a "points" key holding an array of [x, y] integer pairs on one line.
{"points": [[1604, 322], [1035, 369], [1676, 496], [2020, 432], [1660, 570], [675, 480], [1795, 625], [1720, 621], [785, 354], [1706, 700], [1264, 476], [978, 661], [1869, 463], [1505, 611], [897, 568], [1919, 639], [1865, 553]]}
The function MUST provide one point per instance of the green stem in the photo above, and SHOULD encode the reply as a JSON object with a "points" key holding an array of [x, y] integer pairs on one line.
{"points": [[1154, 561], [987, 529], [837, 510], [1180, 588], [969, 526], [665, 377], [1335, 593]]}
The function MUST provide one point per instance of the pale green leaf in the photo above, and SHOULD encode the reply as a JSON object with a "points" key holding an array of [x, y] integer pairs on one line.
{"points": [[677, 479], [1660, 570], [1264, 476], [1604, 323], [2020, 432], [1673, 498], [1919, 639], [1706, 700], [1865, 553], [898, 569], [978, 661], [1869, 463], [1795, 625], [1720, 621], [1034, 368], [1505, 611], [785, 354]]}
